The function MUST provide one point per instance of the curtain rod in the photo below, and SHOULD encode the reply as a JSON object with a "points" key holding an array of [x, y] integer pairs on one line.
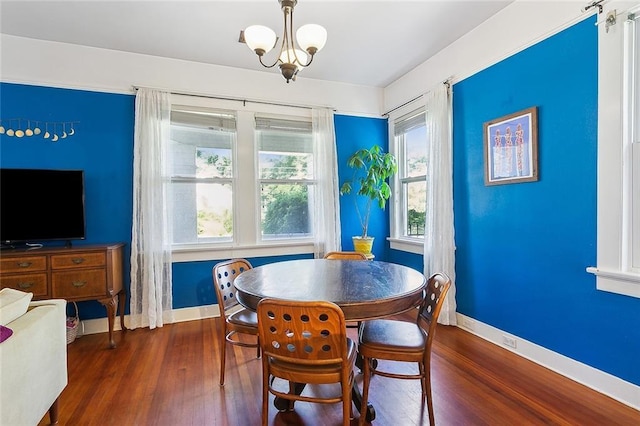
{"points": [[229, 98], [447, 83]]}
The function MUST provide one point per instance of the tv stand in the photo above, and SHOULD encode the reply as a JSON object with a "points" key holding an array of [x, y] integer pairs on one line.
{"points": [[76, 274]]}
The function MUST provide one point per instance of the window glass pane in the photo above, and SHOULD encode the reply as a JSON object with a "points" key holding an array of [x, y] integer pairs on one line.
{"points": [[285, 167], [285, 211], [281, 165], [200, 152], [415, 152], [213, 162], [202, 212], [285, 154], [416, 199], [411, 145]]}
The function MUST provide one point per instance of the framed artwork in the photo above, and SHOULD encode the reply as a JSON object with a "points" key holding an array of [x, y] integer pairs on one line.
{"points": [[511, 148]]}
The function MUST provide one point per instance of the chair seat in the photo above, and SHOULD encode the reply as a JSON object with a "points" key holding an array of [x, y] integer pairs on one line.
{"points": [[397, 336], [244, 317]]}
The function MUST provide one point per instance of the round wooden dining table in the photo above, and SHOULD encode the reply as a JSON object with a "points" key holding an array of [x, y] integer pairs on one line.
{"points": [[363, 289]]}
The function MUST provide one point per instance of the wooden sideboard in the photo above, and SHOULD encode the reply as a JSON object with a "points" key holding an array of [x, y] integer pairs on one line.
{"points": [[75, 274]]}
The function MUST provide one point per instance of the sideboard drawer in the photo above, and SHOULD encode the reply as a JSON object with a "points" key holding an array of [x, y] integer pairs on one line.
{"points": [[78, 260], [23, 264], [30, 283], [79, 284]]}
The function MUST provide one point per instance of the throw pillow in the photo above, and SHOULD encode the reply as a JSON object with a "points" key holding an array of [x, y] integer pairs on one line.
{"points": [[5, 333], [13, 304]]}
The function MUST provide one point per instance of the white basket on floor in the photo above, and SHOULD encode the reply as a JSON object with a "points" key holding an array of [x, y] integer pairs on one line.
{"points": [[72, 325]]}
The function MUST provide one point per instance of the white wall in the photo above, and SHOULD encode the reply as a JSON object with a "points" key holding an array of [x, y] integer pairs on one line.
{"points": [[514, 28], [37, 62]]}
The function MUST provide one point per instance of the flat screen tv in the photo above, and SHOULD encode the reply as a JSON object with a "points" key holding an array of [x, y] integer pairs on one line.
{"points": [[41, 205]]}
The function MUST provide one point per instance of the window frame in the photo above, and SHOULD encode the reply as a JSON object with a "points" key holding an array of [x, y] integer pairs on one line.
{"points": [[310, 183], [246, 234], [617, 220], [398, 213]]}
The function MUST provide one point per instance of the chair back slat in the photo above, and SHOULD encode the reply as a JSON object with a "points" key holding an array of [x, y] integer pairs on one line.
{"points": [[435, 292], [224, 274], [302, 332]]}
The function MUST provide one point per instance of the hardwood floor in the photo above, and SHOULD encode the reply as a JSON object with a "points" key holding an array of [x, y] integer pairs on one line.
{"points": [[169, 376]]}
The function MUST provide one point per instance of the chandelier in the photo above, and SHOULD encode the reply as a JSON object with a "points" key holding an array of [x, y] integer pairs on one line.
{"points": [[311, 38]]}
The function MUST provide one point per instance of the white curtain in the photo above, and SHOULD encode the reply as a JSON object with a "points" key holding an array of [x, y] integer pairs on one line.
{"points": [[327, 208], [439, 245], [151, 299]]}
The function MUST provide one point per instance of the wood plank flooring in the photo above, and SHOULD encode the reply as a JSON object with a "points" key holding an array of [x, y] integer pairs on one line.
{"points": [[169, 376]]}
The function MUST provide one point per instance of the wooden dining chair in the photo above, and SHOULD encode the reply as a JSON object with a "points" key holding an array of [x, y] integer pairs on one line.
{"points": [[394, 340], [237, 320], [345, 255], [305, 342]]}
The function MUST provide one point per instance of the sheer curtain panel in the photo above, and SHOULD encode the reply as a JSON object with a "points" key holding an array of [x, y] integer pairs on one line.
{"points": [[327, 209], [151, 299], [439, 244]]}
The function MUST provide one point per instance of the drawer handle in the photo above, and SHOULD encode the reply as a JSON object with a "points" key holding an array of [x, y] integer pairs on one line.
{"points": [[24, 264], [77, 260], [79, 283], [25, 285]]}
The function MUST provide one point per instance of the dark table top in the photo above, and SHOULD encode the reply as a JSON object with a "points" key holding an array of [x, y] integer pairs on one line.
{"points": [[363, 289]]}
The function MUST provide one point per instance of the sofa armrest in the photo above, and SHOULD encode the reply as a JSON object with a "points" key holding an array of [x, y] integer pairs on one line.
{"points": [[33, 363]]}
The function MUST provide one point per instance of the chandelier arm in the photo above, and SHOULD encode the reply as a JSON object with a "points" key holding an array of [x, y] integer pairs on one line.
{"points": [[310, 60], [265, 65]]}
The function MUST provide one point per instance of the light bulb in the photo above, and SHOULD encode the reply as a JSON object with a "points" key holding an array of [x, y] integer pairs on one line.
{"points": [[288, 57]]}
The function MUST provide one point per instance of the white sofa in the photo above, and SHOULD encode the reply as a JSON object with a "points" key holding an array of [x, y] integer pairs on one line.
{"points": [[33, 364]]}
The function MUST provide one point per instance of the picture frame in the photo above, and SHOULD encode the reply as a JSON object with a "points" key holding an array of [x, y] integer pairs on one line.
{"points": [[511, 148]]}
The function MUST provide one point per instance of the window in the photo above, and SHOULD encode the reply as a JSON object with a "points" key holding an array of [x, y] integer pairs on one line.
{"points": [[285, 163], [410, 148], [201, 152], [633, 68], [242, 181], [618, 263]]}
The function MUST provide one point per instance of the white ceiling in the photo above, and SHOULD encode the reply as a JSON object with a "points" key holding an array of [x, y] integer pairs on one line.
{"points": [[371, 43]]}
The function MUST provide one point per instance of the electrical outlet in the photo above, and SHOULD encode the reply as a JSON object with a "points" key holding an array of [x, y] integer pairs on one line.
{"points": [[509, 341]]}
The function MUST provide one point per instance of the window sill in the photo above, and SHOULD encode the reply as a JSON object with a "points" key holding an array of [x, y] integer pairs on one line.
{"points": [[411, 246], [613, 281], [192, 253]]}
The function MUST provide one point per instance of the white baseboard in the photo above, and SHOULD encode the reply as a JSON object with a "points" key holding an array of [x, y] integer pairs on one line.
{"points": [[101, 325], [605, 383]]}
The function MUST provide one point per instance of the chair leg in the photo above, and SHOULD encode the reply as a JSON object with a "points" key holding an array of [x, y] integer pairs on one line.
{"points": [[223, 355], [423, 380], [265, 394], [366, 372], [432, 420], [258, 349], [346, 401]]}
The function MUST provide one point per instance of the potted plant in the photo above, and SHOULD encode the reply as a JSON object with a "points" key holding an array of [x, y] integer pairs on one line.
{"points": [[372, 170]]}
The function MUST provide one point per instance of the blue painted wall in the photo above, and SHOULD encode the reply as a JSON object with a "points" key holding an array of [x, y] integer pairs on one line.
{"points": [[353, 133], [102, 146], [522, 249]]}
